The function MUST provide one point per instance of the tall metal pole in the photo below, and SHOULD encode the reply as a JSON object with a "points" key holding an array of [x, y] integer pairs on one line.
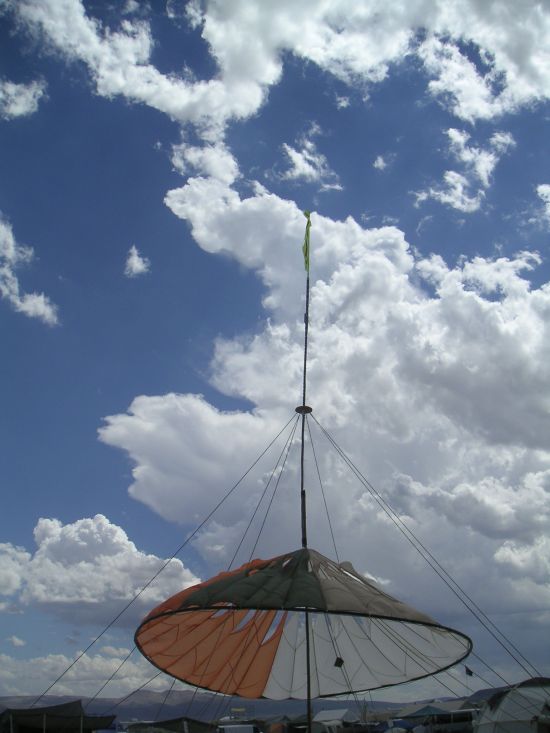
{"points": [[303, 410]]}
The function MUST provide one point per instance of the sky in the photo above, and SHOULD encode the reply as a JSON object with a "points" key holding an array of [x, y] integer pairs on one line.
{"points": [[156, 160]]}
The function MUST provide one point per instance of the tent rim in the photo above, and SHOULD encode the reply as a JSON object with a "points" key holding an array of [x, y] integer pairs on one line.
{"points": [[319, 697], [299, 609]]}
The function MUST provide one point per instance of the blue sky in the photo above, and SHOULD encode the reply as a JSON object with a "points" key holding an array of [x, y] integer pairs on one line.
{"points": [[156, 158]]}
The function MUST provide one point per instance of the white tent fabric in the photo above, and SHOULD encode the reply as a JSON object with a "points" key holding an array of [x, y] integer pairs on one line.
{"points": [[377, 652], [244, 632], [523, 709]]}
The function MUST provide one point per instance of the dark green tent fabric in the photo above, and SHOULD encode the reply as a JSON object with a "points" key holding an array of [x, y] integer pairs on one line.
{"points": [[244, 632], [296, 580], [68, 716]]}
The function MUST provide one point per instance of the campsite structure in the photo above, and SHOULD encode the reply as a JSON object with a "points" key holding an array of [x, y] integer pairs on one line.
{"points": [[295, 626], [69, 717], [523, 708]]}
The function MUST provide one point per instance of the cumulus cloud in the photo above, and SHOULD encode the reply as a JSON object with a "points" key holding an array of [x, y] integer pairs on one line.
{"points": [[432, 376], [436, 391], [26, 676], [526, 561], [15, 641], [357, 45], [308, 164], [458, 83], [380, 163], [342, 102], [85, 572], [543, 192], [188, 453], [13, 256], [213, 161], [20, 100], [136, 264], [459, 189], [13, 561]]}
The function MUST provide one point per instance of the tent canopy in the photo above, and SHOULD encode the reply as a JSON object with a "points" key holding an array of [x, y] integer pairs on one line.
{"points": [[243, 632], [524, 708], [68, 716]]}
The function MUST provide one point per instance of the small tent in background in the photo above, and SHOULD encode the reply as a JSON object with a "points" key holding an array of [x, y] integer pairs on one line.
{"points": [[524, 708], [174, 725], [68, 717]]}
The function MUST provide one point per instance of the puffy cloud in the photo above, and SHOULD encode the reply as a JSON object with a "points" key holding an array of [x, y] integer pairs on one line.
{"points": [[26, 676], [170, 458], [136, 264], [480, 162], [432, 378], [455, 193], [213, 161], [119, 62], [85, 572], [479, 165], [512, 45], [20, 100], [543, 192], [15, 641], [358, 45], [308, 164], [527, 561], [470, 94], [12, 256], [380, 164], [13, 560]]}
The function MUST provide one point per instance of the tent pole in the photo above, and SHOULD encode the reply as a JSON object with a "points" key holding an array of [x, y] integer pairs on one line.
{"points": [[308, 672], [303, 411]]}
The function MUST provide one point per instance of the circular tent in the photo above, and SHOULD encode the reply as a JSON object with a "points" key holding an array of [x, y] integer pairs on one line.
{"points": [[524, 708], [244, 632]]}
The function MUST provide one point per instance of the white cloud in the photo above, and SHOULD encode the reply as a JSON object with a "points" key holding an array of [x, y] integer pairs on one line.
{"points": [[456, 192], [112, 651], [439, 394], [15, 641], [439, 397], [380, 164], [526, 561], [308, 164], [26, 676], [356, 44], [20, 100], [187, 454], [543, 192], [459, 189], [12, 562], [85, 572], [12, 256], [513, 46], [469, 94], [479, 162], [214, 161], [136, 264], [119, 62]]}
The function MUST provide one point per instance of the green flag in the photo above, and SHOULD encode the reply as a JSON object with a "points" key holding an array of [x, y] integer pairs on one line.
{"points": [[305, 248]]}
